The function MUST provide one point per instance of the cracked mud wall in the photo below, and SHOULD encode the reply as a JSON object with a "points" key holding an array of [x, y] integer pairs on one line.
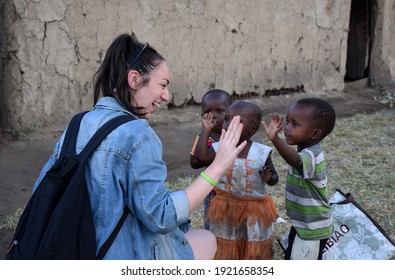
{"points": [[52, 49]]}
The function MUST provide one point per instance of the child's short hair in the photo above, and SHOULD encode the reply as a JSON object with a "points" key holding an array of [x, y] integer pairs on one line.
{"points": [[253, 110], [219, 92], [324, 115]]}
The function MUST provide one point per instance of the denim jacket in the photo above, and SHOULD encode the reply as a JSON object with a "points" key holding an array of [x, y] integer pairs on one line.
{"points": [[127, 169]]}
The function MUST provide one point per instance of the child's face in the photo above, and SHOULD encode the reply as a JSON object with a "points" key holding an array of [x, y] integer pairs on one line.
{"points": [[299, 128], [216, 104]]}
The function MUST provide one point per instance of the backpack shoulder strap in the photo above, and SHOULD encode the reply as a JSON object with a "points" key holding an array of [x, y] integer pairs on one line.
{"points": [[102, 132], [106, 246], [68, 147]]}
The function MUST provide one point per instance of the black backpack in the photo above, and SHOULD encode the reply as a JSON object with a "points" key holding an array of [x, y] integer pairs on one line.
{"points": [[57, 221]]}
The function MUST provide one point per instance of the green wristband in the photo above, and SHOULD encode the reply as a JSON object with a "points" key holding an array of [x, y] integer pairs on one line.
{"points": [[208, 179]]}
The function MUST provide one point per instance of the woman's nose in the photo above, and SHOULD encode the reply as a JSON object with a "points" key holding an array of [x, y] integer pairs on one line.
{"points": [[166, 96]]}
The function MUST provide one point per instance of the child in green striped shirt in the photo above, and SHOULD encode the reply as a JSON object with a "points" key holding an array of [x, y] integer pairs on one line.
{"points": [[308, 121]]}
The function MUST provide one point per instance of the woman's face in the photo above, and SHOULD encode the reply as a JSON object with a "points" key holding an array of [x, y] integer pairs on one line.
{"points": [[150, 96]]}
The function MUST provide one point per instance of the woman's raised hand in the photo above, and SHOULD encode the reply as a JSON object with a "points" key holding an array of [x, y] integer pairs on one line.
{"points": [[227, 148], [224, 158]]}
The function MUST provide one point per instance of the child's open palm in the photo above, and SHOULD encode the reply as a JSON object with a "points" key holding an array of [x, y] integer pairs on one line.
{"points": [[274, 127], [207, 121]]}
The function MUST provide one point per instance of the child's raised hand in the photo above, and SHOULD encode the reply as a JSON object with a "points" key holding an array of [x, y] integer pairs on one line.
{"points": [[274, 127], [207, 121]]}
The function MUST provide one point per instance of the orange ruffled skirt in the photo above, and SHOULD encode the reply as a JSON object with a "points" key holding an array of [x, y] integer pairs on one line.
{"points": [[235, 220]]}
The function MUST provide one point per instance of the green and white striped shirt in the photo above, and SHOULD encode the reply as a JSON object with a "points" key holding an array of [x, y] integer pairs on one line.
{"points": [[305, 196]]}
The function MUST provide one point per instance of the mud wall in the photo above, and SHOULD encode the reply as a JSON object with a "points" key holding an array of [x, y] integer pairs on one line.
{"points": [[382, 59], [50, 49]]}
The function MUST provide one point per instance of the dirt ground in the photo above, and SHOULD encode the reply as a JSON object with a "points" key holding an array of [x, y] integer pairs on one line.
{"points": [[21, 160]]}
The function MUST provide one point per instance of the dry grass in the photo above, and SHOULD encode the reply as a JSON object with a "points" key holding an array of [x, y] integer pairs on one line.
{"points": [[11, 221], [361, 160]]}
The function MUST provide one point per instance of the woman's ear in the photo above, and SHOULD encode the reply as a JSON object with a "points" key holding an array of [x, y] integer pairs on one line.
{"points": [[133, 79]]}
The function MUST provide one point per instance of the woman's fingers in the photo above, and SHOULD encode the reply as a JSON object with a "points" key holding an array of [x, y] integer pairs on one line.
{"points": [[232, 135], [241, 147]]}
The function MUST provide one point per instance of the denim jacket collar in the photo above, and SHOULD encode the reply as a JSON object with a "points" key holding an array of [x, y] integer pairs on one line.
{"points": [[112, 104]]}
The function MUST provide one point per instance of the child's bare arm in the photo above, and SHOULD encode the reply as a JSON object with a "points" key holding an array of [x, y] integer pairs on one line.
{"points": [[195, 163], [203, 154]]}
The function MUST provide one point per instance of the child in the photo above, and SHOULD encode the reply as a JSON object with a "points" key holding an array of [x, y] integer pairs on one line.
{"points": [[308, 121], [214, 104], [242, 212]]}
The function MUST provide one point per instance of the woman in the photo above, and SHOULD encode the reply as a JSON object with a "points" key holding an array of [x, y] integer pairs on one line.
{"points": [[127, 168]]}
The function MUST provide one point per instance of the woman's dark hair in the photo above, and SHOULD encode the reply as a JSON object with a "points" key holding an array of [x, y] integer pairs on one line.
{"points": [[124, 54]]}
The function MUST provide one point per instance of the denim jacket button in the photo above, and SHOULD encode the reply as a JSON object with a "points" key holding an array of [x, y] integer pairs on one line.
{"points": [[184, 242]]}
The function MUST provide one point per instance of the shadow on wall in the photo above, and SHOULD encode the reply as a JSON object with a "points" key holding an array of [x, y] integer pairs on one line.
{"points": [[243, 96], [4, 125]]}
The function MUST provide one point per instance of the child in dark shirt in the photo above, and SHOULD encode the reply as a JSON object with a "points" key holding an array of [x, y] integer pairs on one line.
{"points": [[214, 105]]}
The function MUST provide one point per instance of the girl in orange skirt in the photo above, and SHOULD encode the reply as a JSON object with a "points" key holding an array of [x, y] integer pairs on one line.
{"points": [[242, 213]]}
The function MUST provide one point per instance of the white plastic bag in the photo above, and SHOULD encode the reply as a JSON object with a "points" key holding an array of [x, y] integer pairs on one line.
{"points": [[356, 235]]}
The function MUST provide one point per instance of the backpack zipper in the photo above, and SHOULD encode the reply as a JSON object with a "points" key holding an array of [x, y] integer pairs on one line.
{"points": [[13, 243]]}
